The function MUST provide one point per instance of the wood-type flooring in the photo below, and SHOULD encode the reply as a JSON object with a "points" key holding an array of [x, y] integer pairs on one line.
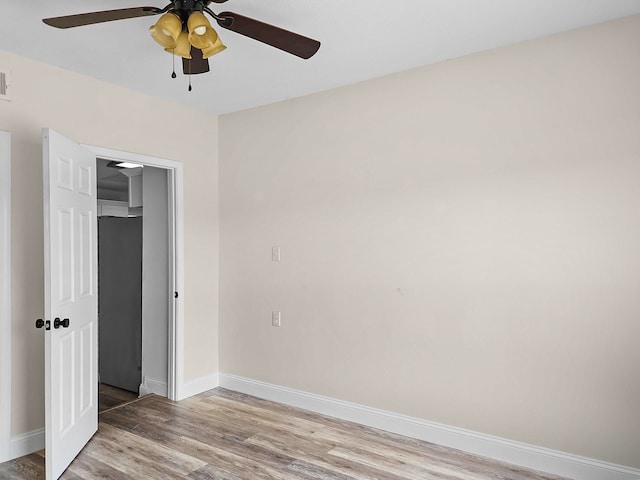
{"points": [[110, 397], [224, 435]]}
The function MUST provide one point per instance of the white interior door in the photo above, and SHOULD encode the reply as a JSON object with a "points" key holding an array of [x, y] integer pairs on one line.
{"points": [[71, 300]]}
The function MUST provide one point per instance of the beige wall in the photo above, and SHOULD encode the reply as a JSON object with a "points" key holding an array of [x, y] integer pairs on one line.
{"points": [[96, 113], [460, 242]]}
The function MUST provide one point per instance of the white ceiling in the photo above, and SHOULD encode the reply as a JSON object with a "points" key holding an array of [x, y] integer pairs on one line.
{"points": [[361, 39]]}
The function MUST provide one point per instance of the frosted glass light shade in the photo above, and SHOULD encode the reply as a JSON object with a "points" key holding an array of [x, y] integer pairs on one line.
{"points": [[201, 35], [210, 51], [167, 30], [183, 47]]}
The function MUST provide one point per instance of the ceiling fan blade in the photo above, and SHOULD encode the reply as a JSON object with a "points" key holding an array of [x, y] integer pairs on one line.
{"points": [[99, 17], [196, 64], [277, 37]]}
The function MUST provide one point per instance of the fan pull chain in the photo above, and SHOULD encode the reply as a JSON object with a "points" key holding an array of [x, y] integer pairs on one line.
{"points": [[173, 57], [190, 75]]}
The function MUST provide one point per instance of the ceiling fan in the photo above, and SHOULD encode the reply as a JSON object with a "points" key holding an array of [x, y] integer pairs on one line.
{"points": [[184, 30]]}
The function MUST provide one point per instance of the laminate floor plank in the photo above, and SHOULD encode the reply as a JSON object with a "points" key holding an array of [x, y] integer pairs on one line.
{"points": [[217, 421], [129, 415], [115, 392], [69, 475], [225, 435], [244, 467], [268, 420], [376, 446], [309, 471], [318, 460], [27, 467], [210, 473], [395, 465], [288, 411], [149, 455], [14, 469], [109, 397], [86, 466], [183, 422], [441, 460]]}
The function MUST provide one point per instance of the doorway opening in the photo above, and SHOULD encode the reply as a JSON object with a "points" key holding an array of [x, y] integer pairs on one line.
{"points": [[144, 203], [133, 277]]}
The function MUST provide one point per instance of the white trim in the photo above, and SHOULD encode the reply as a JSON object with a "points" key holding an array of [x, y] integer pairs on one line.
{"points": [[176, 315], [5, 296], [199, 385], [27, 443], [153, 385], [176, 267], [517, 453]]}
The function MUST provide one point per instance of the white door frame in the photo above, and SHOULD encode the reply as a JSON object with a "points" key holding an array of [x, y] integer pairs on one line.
{"points": [[5, 296], [175, 175]]}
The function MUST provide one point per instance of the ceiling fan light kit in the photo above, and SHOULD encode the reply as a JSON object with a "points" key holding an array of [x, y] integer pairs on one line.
{"points": [[185, 31]]}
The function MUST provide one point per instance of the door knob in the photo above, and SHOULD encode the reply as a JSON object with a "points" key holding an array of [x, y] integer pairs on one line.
{"points": [[42, 323], [57, 323]]}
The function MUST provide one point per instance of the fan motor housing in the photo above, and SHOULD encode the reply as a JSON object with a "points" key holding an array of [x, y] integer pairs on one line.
{"points": [[189, 5]]}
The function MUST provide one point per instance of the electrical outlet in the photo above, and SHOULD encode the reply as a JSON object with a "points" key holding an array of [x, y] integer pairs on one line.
{"points": [[275, 254], [275, 319]]}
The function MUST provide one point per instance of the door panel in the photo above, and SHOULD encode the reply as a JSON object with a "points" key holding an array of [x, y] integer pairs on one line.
{"points": [[71, 394]]}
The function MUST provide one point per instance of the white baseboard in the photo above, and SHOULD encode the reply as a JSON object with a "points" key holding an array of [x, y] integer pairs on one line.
{"points": [[27, 443], [153, 385], [517, 453], [199, 385]]}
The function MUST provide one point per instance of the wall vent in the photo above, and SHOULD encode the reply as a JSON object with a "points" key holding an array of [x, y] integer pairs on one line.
{"points": [[4, 86]]}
